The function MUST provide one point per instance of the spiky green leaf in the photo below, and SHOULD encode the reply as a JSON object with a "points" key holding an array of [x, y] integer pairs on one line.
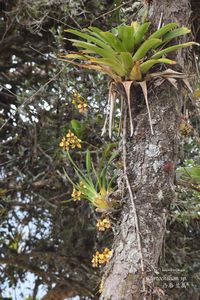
{"points": [[140, 33], [126, 61], [113, 41], [115, 65], [163, 30], [90, 38], [147, 65], [144, 48], [126, 35], [90, 48], [171, 49], [175, 33]]}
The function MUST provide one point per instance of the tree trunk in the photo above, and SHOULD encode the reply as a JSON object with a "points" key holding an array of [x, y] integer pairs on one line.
{"points": [[151, 161]]}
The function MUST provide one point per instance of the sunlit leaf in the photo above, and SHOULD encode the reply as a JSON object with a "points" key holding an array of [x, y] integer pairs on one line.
{"points": [[175, 33], [90, 38], [144, 48], [171, 49], [163, 30], [147, 65], [140, 32]]}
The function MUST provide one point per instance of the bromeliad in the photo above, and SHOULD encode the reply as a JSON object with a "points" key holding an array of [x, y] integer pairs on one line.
{"points": [[127, 54]]}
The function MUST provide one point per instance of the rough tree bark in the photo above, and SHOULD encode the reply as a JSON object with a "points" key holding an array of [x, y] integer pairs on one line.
{"points": [[151, 161]]}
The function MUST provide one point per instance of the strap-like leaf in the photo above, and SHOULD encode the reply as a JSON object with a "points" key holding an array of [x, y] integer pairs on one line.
{"points": [[94, 29], [126, 35], [96, 32], [113, 41], [126, 61], [101, 68], [144, 48], [90, 48], [115, 65], [90, 38], [79, 173], [107, 70], [147, 65], [175, 33], [171, 49], [140, 32], [163, 30]]}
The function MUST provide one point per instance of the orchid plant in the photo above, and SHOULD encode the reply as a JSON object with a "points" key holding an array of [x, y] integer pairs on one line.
{"points": [[94, 185]]}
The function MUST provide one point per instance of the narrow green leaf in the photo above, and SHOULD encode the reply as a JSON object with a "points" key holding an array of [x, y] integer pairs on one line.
{"points": [[126, 34], [98, 183], [163, 30], [115, 65], [110, 182], [127, 61], [95, 29], [79, 173], [140, 32], [90, 48], [120, 30], [96, 32], [144, 48], [171, 49], [107, 149], [113, 156], [67, 176], [151, 62], [175, 33], [90, 38], [113, 41]]}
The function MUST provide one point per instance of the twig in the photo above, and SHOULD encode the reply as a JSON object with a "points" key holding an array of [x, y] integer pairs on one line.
{"points": [[124, 133], [44, 153], [28, 100], [110, 11]]}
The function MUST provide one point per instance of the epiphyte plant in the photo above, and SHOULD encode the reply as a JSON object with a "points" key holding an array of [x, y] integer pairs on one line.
{"points": [[94, 185], [127, 54]]}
